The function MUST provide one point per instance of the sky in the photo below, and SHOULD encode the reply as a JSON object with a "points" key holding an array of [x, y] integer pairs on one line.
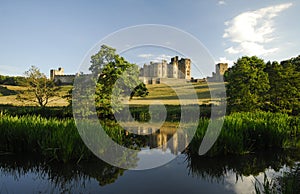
{"points": [[52, 34]]}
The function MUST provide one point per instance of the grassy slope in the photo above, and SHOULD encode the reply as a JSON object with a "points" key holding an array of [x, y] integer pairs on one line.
{"points": [[11, 99], [167, 95], [161, 92]]}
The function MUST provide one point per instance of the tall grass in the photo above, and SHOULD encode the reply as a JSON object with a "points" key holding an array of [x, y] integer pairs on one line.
{"points": [[60, 140], [48, 112], [53, 138], [246, 132]]}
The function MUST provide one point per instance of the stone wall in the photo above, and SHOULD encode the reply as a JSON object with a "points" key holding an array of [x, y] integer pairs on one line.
{"points": [[217, 76], [58, 76], [54, 72], [180, 69], [64, 79]]}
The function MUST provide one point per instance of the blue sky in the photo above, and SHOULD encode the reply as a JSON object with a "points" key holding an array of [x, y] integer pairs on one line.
{"points": [[50, 34]]}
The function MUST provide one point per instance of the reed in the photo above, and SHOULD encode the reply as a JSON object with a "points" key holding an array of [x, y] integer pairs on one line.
{"points": [[59, 139], [247, 132], [53, 138], [56, 139]]}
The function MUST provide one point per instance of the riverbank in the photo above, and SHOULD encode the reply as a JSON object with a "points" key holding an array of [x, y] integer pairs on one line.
{"points": [[58, 139]]}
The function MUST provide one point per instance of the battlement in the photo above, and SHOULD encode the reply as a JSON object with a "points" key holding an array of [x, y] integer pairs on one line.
{"points": [[180, 69], [57, 75], [217, 76], [54, 72]]}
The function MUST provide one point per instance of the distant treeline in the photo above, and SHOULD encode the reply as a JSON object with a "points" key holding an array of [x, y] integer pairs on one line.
{"points": [[12, 80]]}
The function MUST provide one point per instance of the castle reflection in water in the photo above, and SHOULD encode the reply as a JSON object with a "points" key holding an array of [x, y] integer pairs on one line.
{"points": [[165, 138]]}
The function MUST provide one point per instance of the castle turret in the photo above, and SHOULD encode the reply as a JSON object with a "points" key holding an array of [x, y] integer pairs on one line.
{"points": [[54, 72], [184, 69], [174, 65]]}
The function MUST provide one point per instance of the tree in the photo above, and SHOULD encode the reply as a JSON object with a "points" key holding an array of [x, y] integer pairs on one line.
{"points": [[40, 89], [284, 93], [274, 71], [115, 75], [247, 84], [140, 90]]}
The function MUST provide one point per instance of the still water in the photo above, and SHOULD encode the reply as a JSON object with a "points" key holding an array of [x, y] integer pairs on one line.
{"points": [[187, 173]]}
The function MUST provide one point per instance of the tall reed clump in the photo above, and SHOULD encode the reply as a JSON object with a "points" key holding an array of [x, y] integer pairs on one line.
{"points": [[246, 132], [53, 138]]}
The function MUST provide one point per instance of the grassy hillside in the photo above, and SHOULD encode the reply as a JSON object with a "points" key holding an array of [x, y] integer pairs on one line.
{"points": [[9, 93], [158, 92], [167, 95]]}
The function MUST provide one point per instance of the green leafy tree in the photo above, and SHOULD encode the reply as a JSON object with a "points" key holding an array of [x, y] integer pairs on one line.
{"points": [[247, 84], [139, 91], [276, 90], [115, 75], [284, 93], [40, 89]]}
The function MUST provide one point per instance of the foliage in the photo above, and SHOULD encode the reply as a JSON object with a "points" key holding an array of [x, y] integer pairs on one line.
{"points": [[253, 85], [247, 84], [4, 91], [140, 90], [284, 93], [59, 112], [115, 75], [13, 80], [40, 89], [53, 138], [56, 139], [251, 131]]}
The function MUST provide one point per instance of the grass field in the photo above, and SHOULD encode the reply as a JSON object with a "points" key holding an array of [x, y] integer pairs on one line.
{"points": [[9, 93], [166, 95], [158, 92]]}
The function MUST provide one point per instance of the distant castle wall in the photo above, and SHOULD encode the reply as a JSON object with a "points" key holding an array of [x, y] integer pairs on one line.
{"points": [[54, 72], [217, 76], [155, 73], [179, 69], [59, 76]]}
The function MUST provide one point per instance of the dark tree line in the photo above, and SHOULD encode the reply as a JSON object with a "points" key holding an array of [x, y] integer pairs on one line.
{"points": [[253, 85], [13, 80]]}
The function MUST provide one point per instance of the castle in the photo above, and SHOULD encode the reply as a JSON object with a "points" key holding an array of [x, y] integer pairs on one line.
{"points": [[154, 72], [59, 77], [217, 76]]}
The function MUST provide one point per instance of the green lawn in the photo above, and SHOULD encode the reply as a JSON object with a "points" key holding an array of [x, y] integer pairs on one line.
{"points": [[166, 95], [9, 93], [158, 92]]}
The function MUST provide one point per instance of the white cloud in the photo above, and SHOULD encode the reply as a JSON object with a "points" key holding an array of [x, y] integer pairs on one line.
{"points": [[225, 60], [161, 57], [221, 2], [155, 58], [147, 58], [145, 55], [232, 50], [251, 30]]}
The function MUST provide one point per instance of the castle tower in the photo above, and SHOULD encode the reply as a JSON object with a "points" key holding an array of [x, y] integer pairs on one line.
{"points": [[174, 65], [158, 69], [164, 69], [54, 72], [217, 76], [221, 68], [184, 69]]}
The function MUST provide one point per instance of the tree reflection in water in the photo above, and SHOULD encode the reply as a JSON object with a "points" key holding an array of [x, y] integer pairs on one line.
{"points": [[71, 177]]}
